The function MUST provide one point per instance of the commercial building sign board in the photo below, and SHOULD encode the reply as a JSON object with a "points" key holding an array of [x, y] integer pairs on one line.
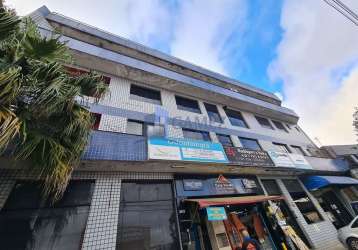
{"points": [[216, 213], [248, 157], [289, 160], [179, 149]]}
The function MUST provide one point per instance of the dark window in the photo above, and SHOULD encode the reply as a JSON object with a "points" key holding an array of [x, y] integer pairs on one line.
{"points": [[145, 94], [280, 126], [298, 150], [355, 224], [271, 187], [249, 143], [187, 104], [264, 122], [281, 147], [28, 223], [235, 118], [225, 140], [145, 129], [155, 130], [302, 201], [97, 120], [135, 127], [146, 217], [196, 134], [213, 113]]}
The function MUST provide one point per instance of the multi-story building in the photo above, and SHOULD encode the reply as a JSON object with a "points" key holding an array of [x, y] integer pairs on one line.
{"points": [[175, 150]]}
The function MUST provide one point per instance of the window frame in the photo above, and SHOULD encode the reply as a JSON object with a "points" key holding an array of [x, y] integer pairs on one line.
{"points": [[187, 108], [239, 114], [136, 97], [208, 111], [145, 126], [197, 131], [250, 139], [225, 136], [300, 149], [269, 126], [283, 128], [288, 150]]}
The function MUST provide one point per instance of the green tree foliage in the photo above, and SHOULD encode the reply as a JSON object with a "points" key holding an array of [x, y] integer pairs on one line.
{"points": [[40, 121]]}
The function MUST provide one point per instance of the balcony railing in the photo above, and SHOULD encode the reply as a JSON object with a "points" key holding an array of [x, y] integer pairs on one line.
{"points": [[125, 147]]}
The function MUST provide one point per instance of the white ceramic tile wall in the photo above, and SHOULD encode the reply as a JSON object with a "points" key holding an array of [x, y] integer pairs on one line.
{"points": [[119, 96]]}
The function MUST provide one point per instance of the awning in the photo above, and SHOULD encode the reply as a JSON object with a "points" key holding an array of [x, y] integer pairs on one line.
{"points": [[315, 182], [205, 202]]}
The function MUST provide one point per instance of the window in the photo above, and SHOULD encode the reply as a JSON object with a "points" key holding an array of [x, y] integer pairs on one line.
{"points": [[97, 120], [196, 134], [355, 224], [213, 113], [302, 201], [249, 143], [235, 118], [155, 130], [281, 147], [135, 127], [146, 218], [145, 129], [225, 140], [298, 150], [271, 187], [264, 122], [28, 223], [145, 94], [187, 104], [280, 126]]}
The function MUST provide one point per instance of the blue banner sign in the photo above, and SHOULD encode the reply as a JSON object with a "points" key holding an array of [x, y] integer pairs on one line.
{"points": [[180, 149], [216, 213]]}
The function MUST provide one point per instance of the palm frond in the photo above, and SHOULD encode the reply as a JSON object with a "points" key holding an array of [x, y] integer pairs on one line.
{"points": [[91, 84], [10, 126], [9, 23], [9, 85]]}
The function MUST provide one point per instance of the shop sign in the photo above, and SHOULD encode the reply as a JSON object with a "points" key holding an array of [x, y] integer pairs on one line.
{"points": [[281, 159], [289, 160], [193, 185], [248, 157], [180, 149], [223, 185], [249, 183], [216, 213]]}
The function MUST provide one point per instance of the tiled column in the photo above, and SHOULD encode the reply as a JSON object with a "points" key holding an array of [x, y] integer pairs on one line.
{"points": [[101, 229]]}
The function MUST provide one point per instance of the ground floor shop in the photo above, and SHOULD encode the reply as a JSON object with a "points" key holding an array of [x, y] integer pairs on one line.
{"points": [[117, 210]]}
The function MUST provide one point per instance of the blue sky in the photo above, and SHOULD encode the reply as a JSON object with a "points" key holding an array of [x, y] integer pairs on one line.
{"points": [[302, 50]]}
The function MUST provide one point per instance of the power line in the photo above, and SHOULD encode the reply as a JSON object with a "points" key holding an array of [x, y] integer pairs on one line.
{"points": [[344, 10]]}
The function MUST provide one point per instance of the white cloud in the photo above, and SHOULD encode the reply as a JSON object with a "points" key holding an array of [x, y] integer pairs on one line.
{"points": [[203, 29], [319, 47]]}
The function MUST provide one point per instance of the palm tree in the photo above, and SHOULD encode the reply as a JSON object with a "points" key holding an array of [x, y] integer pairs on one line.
{"points": [[40, 120]]}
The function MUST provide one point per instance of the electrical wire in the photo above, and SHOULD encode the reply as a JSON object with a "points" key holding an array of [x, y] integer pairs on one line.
{"points": [[344, 10]]}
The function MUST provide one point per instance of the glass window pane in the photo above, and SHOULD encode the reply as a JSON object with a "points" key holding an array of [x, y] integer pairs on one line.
{"points": [[271, 187], [249, 143], [213, 113], [187, 104], [44, 227], [155, 130], [298, 150], [279, 125], [134, 127], [264, 122], [235, 118], [281, 147], [196, 135], [146, 217], [143, 94], [225, 140]]}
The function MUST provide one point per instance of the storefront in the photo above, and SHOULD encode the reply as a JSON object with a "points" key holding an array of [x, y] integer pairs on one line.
{"points": [[336, 195], [217, 212]]}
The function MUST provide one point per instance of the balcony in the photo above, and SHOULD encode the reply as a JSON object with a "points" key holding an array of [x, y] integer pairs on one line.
{"points": [[116, 146], [125, 147]]}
